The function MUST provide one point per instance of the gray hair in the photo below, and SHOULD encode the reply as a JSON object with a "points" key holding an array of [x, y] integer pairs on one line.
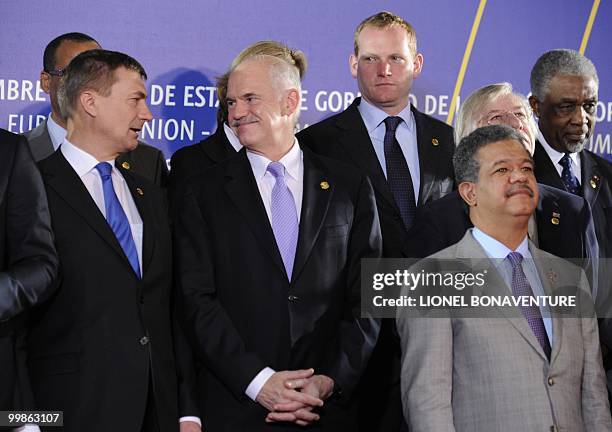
{"points": [[471, 110], [92, 70], [464, 160], [559, 62]]}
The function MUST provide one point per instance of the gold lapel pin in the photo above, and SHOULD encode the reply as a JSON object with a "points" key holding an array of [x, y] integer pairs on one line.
{"points": [[435, 142], [139, 191], [594, 181], [552, 277], [555, 220], [126, 165], [324, 185]]}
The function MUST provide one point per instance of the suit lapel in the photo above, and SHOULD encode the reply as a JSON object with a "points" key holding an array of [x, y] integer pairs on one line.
{"points": [[429, 160], [218, 148], [40, 142], [591, 176], [545, 169], [315, 202], [149, 226], [242, 190], [495, 286], [357, 144], [60, 176]]}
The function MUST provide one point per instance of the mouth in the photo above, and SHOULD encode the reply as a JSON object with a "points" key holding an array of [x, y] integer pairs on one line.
{"points": [[239, 123], [521, 190]]}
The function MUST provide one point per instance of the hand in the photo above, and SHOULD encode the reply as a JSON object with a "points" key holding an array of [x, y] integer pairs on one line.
{"points": [[189, 426], [275, 392], [318, 386]]}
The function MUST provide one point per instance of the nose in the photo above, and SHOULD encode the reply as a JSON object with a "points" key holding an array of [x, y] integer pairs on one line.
{"points": [[145, 113], [237, 110], [579, 116], [513, 121], [384, 68]]}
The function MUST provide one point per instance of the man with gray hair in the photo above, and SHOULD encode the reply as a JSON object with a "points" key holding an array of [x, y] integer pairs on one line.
{"points": [[103, 344], [268, 248], [515, 368]]}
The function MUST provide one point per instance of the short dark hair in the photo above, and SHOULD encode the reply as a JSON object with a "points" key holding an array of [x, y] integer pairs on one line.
{"points": [[93, 70], [464, 160], [51, 48]]}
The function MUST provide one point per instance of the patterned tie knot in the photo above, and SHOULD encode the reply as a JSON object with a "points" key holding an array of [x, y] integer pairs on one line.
{"points": [[104, 168], [391, 123], [515, 259], [565, 161], [277, 169]]}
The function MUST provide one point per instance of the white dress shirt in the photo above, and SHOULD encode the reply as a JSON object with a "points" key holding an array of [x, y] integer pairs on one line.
{"points": [[374, 119], [555, 156], [56, 132], [293, 162], [498, 252], [231, 137]]}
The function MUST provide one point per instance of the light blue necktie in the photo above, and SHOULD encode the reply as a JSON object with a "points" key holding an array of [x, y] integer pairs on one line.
{"points": [[284, 217], [116, 218]]}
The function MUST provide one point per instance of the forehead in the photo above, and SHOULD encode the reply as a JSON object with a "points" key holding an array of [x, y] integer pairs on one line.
{"points": [[383, 39], [504, 102], [502, 150], [251, 76], [572, 86], [127, 81], [68, 50]]}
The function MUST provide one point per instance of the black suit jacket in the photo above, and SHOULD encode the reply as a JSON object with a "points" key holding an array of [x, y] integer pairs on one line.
{"points": [[28, 262], [242, 313], [145, 160], [96, 344]]}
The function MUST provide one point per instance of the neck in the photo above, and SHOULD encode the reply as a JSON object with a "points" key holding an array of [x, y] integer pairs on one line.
{"points": [[510, 233], [90, 143], [58, 119], [278, 151], [391, 110]]}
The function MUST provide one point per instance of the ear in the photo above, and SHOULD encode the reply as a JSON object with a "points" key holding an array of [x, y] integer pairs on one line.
{"points": [[292, 101], [353, 65], [535, 105], [45, 81], [467, 190], [88, 101], [418, 65]]}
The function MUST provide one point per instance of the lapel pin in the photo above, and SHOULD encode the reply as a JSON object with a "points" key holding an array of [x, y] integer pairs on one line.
{"points": [[555, 220], [126, 165], [594, 181], [434, 142], [324, 185], [139, 191], [552, 277]]}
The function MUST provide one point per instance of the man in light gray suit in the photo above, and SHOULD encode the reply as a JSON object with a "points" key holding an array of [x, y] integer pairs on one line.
{"points": [[44, 139], [522, 369]]}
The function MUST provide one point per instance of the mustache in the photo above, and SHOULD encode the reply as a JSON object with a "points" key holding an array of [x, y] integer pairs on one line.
{"points": [[520, 188], [242, 121]]}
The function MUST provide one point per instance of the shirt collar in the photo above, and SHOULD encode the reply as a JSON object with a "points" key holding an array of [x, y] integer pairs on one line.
{"points": [[56, 132], [81, 161], [231, 137], [553, 154], [374, 116], [496, 249], [292, 162]]}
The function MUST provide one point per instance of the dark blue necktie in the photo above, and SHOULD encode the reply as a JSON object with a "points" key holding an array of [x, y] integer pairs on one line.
{"points": [[398, 173], [116, 218], [567, 175]]}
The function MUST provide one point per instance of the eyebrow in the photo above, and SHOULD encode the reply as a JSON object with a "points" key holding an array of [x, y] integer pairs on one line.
{"points": [[503, 161]]}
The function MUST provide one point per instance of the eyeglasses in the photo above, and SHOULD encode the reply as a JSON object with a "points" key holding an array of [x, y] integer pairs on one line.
{"points": [[56, 72], [506, 117]]}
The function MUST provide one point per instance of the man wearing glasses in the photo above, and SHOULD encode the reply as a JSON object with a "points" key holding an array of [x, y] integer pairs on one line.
{"points": [[47, 136]]}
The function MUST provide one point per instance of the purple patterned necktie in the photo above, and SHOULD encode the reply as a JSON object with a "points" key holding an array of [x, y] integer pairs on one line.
{"points": [[398, 173], [284, 217], [521, 287], [567, 175]]}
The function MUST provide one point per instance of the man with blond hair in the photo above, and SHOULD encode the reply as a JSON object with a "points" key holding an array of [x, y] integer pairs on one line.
{"points": [[407, 156]]}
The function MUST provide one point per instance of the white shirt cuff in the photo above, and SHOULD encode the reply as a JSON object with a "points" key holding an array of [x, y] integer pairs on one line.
{"points": [[258, 382], [191, 419], [27, 428]]}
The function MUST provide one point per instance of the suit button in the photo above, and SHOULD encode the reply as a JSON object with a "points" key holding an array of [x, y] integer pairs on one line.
{"points": [[141, 299], [144, 340], [293, 298], [553, 428], [551, 382]]}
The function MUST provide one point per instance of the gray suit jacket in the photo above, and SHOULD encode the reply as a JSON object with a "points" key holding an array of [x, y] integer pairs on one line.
{"points": [[145, 160], [491, 374]]}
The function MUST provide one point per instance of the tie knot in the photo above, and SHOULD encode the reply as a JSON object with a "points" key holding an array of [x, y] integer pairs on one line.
{"points": [[392, 123], [277, 169], [104, 168], [565, 161], [515, 258]]}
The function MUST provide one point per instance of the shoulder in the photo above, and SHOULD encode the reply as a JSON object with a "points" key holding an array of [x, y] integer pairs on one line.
{"points": [[37, 131], [146, 151], [10, 141], [332, 124], [604, 164]]}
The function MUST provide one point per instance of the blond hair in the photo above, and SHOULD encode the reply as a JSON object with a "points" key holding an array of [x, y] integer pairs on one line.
{"points": [[383, 20]]}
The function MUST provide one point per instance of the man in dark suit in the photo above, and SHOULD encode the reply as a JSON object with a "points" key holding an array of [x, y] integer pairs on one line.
{"points": [[145, 160], [101, 348], [408, 157], [268, 248], [28, 262]]}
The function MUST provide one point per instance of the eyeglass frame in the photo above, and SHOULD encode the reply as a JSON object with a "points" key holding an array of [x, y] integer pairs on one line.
{"points": [[524, 120], [56, 72]]}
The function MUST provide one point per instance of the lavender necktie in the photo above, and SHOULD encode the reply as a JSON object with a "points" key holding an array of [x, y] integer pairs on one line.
{"points": [[398, 173], [521, 287], [567, 175], [284, 217]]}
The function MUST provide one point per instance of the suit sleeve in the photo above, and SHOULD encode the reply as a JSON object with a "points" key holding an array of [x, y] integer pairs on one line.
{"points": [[214, 338], [31, 260], [357, 336], [161, 178], [426, 372]]}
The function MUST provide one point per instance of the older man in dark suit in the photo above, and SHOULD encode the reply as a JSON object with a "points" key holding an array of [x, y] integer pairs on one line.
{"points": [[268, 256]]}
